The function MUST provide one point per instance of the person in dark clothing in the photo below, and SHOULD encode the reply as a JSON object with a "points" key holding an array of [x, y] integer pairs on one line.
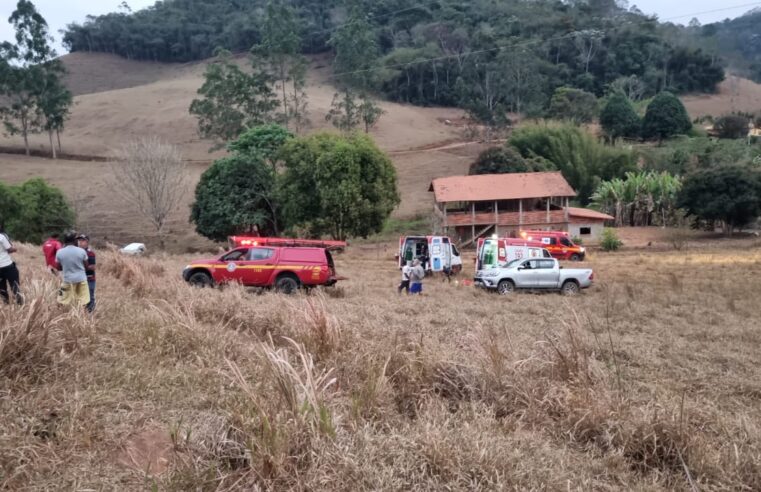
{"points": [[83, 241], [9, 275], [424, 258]]}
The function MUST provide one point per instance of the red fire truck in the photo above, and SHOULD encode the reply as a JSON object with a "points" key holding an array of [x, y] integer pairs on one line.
{"points": [[282, 263], [558, 243]]}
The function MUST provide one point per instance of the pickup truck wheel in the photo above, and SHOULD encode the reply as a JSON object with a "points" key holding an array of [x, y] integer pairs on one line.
{"points": [[575, 257], [570, 288], [287, 285], [200, 279], [506, 287]]}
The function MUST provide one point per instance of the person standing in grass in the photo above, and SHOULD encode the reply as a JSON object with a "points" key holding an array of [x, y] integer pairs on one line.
{"points": [[9, 276], [417, 274], [83, 241], [405, 284], [49, 249], [72, 261]]}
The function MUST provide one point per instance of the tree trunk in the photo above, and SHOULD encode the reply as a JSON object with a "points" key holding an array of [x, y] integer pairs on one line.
{"points": [[25, 133], [52, 146], [58, 136]]}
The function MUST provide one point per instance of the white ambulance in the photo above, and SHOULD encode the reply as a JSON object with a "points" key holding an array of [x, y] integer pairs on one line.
{"points": [[493, 252], [437, 252]]}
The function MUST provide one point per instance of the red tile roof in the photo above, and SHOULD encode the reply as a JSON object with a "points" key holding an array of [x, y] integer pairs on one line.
{"points": [[588, 214], [510, 186]]}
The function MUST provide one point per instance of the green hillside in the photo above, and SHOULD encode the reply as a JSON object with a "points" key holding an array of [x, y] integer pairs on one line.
{"points": [[484, 55]]}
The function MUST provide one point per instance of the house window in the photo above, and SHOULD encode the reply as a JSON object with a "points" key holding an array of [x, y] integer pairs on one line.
{"points": [[585, 231]]}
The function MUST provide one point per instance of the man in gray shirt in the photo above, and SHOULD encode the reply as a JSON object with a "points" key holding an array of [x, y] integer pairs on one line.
{"points": [[72, 260]]}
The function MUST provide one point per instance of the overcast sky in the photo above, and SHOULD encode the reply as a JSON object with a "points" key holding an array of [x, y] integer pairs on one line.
{"points": [[58, 13]]}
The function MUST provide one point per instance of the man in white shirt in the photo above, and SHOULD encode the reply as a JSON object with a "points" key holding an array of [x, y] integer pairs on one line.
{"points": [[405, 284], [9, 275]]}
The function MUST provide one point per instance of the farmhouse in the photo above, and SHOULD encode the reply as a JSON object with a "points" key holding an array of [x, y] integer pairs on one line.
{"points": [[586, 224], [469, 207]]}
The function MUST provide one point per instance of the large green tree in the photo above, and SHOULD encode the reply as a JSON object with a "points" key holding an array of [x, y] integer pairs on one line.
{"points": [[730, 194], [356, 48], [265, 141], [280, 48], [235, 196], [619, 119], [665, 117], [233, 100], [342, 186]]}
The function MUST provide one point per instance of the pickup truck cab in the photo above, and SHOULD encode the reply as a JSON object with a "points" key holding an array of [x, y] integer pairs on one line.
{"points": [[535, 274], [285, 268]]}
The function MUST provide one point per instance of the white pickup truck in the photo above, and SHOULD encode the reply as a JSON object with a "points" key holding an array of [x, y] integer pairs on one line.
{"points": [[535, 274]]}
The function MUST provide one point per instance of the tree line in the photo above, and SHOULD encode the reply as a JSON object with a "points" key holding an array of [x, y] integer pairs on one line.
{"points": [[488, 57], [33, 97]]}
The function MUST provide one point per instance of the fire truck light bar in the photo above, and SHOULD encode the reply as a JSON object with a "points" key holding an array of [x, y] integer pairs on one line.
{"points": [[237, 241]]}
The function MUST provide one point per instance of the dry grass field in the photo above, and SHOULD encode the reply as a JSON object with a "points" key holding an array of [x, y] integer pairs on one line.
{"points": [[734, 94], [647, 381]]}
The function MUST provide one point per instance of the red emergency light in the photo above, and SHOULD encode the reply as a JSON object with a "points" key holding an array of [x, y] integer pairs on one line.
{"points": [[239, 241]]}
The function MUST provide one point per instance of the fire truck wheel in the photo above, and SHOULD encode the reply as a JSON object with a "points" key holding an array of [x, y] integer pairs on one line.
{"points": [[287, 284], [200, 279], [575, 257], [506, 287]]}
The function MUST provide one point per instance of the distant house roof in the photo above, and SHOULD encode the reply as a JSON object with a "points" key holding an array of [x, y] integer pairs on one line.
{"points": [[490, 187], [588, 214]]}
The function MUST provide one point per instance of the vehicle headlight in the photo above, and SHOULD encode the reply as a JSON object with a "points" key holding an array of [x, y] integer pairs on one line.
{"points": [[187, 267], [583, 249]]}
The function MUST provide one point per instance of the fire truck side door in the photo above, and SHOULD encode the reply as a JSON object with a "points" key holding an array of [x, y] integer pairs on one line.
{"points": [[259, 266], [232, 263]]}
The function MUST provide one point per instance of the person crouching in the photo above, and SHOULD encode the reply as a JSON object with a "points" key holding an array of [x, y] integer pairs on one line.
{"points": [[72, 261]]}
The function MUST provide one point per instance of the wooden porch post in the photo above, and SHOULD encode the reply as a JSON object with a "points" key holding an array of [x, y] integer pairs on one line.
{"points": [[496, 218], [520, 214], [567, 221], [473, 220], [446, 224], [548, 210]]}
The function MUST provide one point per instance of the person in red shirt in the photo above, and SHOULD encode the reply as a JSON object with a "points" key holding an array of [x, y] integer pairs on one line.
{"points": [[49, 249]]}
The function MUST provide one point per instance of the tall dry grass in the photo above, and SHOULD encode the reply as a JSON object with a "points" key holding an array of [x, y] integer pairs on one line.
{"points": [[649, 381]]}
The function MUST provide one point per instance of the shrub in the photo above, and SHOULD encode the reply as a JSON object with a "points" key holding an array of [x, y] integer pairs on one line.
{"points": [[35, 210], [498, 160], [731, 126], [573, 104], [610, 241]]}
